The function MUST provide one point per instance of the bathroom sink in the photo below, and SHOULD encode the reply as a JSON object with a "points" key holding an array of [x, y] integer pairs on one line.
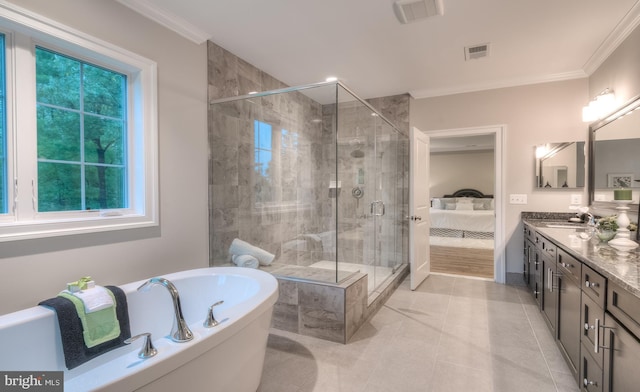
{"points": [[559, 226]]}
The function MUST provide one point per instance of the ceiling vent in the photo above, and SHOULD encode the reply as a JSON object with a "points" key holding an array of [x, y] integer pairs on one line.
{"points": [[408, 11], [476, 52]]}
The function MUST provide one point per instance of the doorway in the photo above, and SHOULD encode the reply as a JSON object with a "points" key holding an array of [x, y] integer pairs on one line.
{"points": [[460, 248]]}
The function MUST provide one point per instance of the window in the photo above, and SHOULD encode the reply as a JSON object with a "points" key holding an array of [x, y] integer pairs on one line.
{"points": [[78, 132], [264, 165], [275, 165], [81, 134]]}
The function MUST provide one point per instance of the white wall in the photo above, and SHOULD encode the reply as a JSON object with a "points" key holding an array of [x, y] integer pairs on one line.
{"points": [[619, 71], [533, 115], [452, 171], [38, 269]]}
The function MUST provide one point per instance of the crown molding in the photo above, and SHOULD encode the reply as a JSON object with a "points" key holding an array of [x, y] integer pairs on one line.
{"points": [[438, 92], [630, 21], [167, 19]]}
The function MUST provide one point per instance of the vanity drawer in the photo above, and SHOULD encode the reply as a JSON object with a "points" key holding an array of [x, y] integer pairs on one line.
{"points": [[625, 307], [529, 233], [594, 285], [592, 317], [591, 376], [546, 246], [569, 266]]}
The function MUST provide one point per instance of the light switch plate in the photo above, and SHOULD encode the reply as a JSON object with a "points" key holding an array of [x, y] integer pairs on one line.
{"points": [[517, 198]]}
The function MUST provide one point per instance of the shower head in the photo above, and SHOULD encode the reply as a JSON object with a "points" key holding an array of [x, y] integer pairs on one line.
{"points": [[357, 144]]}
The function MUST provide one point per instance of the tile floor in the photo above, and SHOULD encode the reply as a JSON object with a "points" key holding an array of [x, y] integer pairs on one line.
{"points": [[451, 334]]}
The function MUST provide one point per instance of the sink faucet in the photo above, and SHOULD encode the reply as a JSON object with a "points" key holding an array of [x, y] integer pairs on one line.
{"points": [[180, 332]]}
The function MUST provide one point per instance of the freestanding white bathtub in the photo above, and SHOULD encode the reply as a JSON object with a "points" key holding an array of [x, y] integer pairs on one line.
{"points": [[228, 357]]}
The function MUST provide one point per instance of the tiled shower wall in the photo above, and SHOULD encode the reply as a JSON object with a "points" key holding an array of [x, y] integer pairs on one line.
{"points": [[231, 205]]}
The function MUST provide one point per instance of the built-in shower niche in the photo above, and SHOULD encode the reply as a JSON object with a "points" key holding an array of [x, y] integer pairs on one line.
{"points": [[316, 176]]}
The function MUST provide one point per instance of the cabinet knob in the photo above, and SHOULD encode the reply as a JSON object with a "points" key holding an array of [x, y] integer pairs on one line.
{"points": [[566, 265], [586, 383], [591, 284]]}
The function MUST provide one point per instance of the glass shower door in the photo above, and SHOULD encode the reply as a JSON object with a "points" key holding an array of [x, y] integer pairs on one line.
{"points": [[384, 209]]}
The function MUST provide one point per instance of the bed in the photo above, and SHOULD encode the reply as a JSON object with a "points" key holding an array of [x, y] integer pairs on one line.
{"points": [[461, 234]]}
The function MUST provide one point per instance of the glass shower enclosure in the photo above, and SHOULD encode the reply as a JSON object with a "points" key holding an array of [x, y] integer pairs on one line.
{"points": [[314, 175]]}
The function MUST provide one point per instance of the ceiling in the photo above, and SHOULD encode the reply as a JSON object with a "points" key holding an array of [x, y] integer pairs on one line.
{"points": [[362, 43]]}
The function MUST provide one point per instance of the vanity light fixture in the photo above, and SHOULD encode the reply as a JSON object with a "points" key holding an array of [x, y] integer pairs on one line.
{"points": [[599, 107]]}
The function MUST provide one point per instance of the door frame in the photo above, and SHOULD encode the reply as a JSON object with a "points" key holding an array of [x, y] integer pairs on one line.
{"points": [[499, 131]]}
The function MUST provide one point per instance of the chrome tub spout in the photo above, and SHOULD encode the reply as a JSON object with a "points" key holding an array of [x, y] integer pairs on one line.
{"points": [[180, 332]]}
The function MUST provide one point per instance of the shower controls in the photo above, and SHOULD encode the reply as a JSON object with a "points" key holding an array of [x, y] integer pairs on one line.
{"points": [[357, 192]]}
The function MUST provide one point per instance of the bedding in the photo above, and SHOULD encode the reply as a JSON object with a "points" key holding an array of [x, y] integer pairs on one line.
{"points": [[467, 213], [465, 220], [461, 234]]}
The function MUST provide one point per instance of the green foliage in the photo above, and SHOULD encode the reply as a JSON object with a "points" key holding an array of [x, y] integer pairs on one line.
{"points": [[608, 223], [81, 134]]}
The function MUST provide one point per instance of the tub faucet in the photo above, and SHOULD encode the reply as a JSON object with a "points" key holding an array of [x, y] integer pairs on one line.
{"points": [[180, 332]]}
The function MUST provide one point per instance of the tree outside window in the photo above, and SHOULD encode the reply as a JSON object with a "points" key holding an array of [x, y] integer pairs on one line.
{"points": [[81, 117]]}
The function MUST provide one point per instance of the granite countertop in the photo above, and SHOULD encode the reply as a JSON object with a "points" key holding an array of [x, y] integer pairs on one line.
{"points": [[625, 271]]}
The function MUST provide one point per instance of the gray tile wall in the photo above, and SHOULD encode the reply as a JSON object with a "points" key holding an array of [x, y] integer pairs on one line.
{"points": [[305, 176], [233, 193], [332, 312]]}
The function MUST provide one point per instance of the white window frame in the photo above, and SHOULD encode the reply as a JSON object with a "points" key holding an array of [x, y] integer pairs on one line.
{"points": [[24, 31]]}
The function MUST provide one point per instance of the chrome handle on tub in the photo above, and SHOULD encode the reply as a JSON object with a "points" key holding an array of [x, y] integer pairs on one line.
{"points": [[147, 350], [211, 321]]}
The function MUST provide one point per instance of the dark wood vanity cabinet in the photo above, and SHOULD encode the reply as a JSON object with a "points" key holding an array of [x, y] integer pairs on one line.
{"points": [[532, 276], [621, 358], [621, 341], [595, 321], [590, 371], [546, 251], [569, 300], [592, 320]]}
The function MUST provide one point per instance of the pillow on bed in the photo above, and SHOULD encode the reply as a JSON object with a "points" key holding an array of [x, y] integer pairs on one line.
{"points": [[441, 202], [483, 204], [450, 206], [465, 199], [464, 206]]}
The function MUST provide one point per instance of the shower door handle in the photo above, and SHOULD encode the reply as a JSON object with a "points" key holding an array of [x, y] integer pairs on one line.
{"points": [[375, 208]]}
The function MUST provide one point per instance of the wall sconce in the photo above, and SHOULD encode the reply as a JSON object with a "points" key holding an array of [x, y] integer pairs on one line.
{"points": [[599, 107]]}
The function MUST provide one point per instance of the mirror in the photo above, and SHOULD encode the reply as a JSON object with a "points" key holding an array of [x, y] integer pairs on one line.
{"points": [[614, 150], [560, 165]]}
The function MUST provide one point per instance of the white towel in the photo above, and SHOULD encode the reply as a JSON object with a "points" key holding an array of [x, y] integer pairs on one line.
{"points": [[94, 299], [246, 261], [239, 247]]}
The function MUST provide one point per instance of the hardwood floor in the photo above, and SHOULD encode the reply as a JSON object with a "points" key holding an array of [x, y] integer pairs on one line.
{"points": [[462, 261]]}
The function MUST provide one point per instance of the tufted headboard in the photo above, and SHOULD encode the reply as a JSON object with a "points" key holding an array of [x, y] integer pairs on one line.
{"points": [[467, 192]]}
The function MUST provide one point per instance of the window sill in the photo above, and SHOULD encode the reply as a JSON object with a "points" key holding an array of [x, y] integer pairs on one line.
{"points": [[95, 223]]}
